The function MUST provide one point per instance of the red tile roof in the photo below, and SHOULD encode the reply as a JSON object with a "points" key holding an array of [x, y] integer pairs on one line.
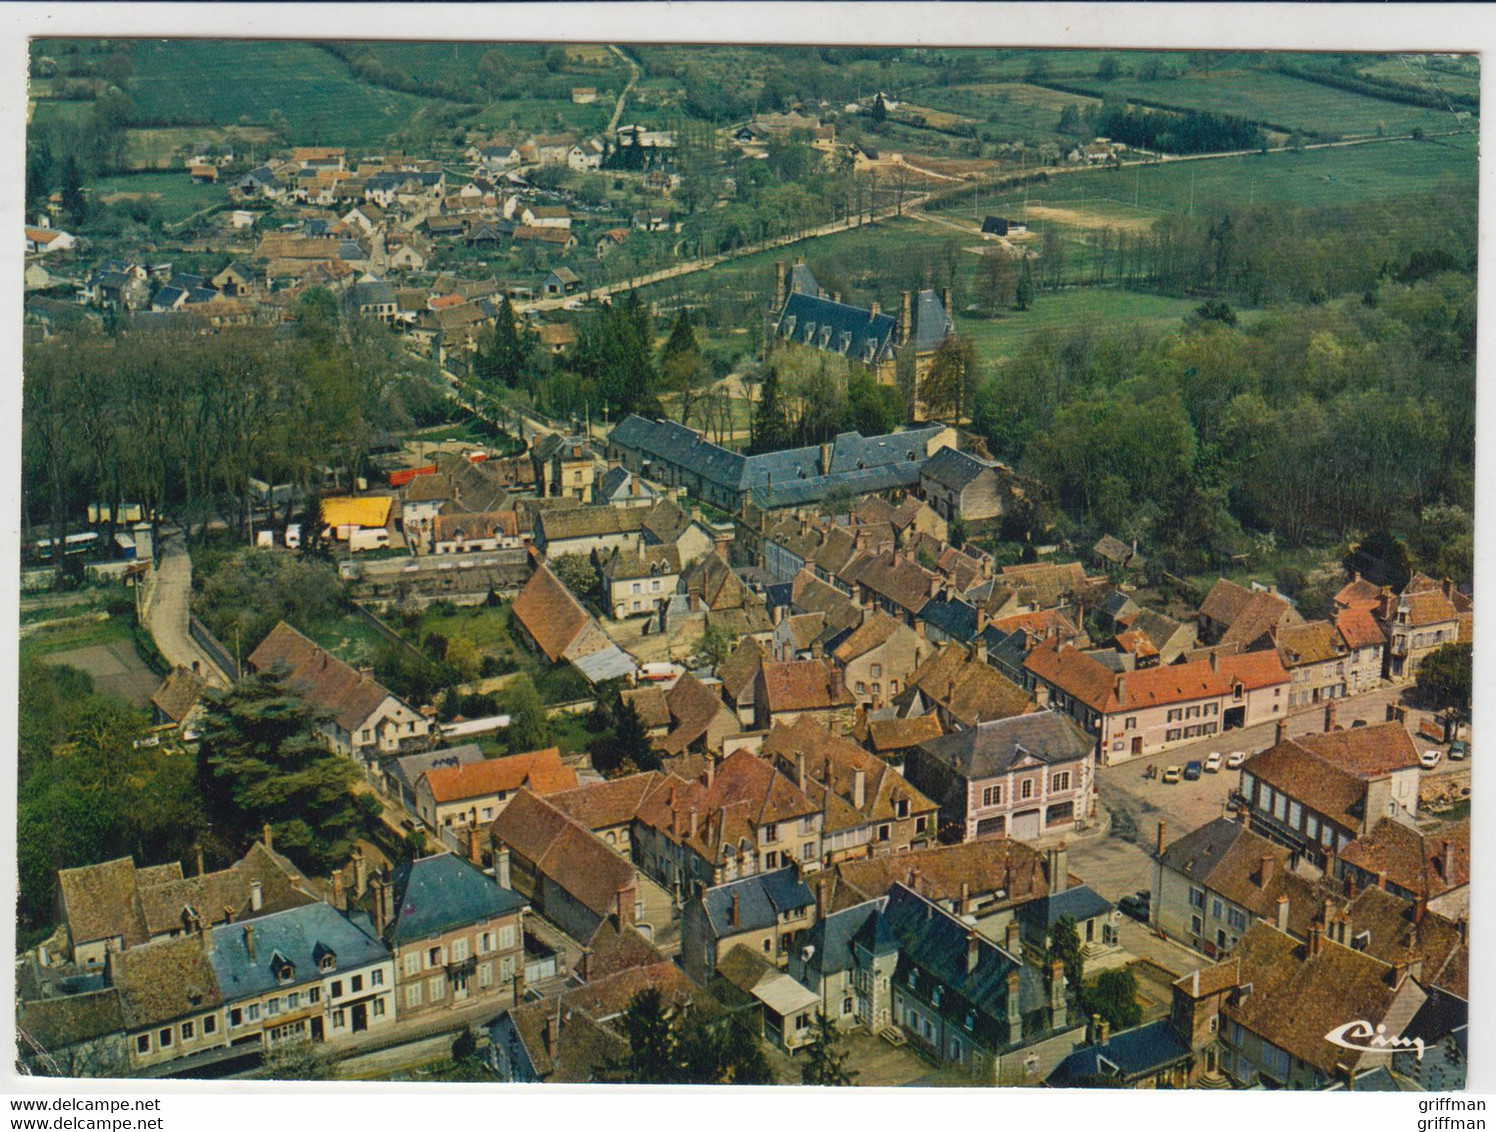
{"points": [[541, 771], [801, 685], [1254, 670], [1105, 691], [549, 613], [1358, 628], [321, 678]]}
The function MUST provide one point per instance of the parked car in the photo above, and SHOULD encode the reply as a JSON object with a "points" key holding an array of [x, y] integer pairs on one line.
{"points": [[1235, 759], [1459, 750], [1193, 770], [1429, 759], [1172, 775], [1213, 762], [1135, 906]]}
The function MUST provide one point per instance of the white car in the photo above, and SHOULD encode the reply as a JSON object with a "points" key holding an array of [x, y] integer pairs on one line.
{"points": [[1213, 763], [1235, 759], [1429, 759]]}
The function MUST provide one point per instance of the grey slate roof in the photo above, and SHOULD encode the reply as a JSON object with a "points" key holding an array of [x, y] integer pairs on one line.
{"points": [[761, 898], [1080, 902], [838, 328], [1198, 852], [952, 469], [373, 294], [931, 321], [833, 936], [935, 942], [439, 893], [407, 771], [866, 463], [801, 279], [953, 617], [1129, 1054], [990, 748], [302, 935]]}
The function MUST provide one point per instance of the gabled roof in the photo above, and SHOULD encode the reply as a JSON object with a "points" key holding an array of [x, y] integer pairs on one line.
{"points": [[408, 769], [590, 522], [1358, 628], [1297, 997], [301, 935], [761, 899], [161, 981], [1312, 642], [994, 747], [549, 613], [442, 892], [323, 680], [740, 670], [543, 772], [1253, 670], [953, 469], [179, 693], [1359, 593], [982, 868], [1225, 601], [894, 734], [1425, 863], [101, 902], [876, 629], [693, 709], [832, 764], [1128, 1055], [969, 690], [801, 685], [565, 851], [1263, 615], [1105, 691], [614, 801]]}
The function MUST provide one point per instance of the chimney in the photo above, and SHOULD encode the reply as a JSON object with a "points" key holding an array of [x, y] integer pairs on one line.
{"points": [[817, 649], [822, 896], [1015, 1008], [249, 941], [623, 904], [973, 951], [1330, 716], [781, 285], [256, 895], [1283, 912], [1448, 588], [838, 683], [1041, 695], [474, 844], [1446, 860], [1103, 1031], [836, 296], [1163, 828], [1121, 687], [501, 866], [1012, 944], [199, 849], [692, 826], [732, 917], [965, 901], [1214, 663], [1265, 877], [874, 309], [945, 299], [1059, 869], [1280, 732], [360, 872], [906, 318], [1056, 980], [1316, 937], [337, 891], [1095, 1035], [553, 1032], [267, 835]]}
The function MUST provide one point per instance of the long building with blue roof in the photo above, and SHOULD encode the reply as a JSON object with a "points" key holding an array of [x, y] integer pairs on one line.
{"points": [[677, 456]]}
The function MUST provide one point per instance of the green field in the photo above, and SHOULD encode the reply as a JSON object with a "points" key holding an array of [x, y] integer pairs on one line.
{"points": [[542, 115], [172, 191], [1064, 310], [1280, 101], [1340, 175], [225, 82]]}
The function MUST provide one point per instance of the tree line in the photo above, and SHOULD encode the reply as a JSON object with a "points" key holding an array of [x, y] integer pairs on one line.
{"points": [[180, 422]]}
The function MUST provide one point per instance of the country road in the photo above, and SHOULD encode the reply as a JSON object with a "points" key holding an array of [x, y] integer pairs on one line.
{"points": [[628, 86], [167, 617]]}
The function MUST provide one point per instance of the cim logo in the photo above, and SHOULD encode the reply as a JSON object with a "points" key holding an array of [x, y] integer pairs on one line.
{"points": [[1362, 1035]]}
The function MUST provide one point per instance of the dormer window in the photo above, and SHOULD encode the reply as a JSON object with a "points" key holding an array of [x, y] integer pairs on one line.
{"points": [[825, 337], [325, 958], [789, 326], [282, 968], [846, 342], [810, 330]]}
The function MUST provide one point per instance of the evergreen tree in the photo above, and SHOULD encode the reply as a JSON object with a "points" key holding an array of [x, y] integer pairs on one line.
{"points": [[947, 388], [260, 762], [1023, 296], [506, 352], [879, 111], [825, 1061], [73, 200], [721, 1052], [1064, 945], [38, 171], [653, 1057], [770, 429], [631, 739], [1114, 995], [615, 353]]}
